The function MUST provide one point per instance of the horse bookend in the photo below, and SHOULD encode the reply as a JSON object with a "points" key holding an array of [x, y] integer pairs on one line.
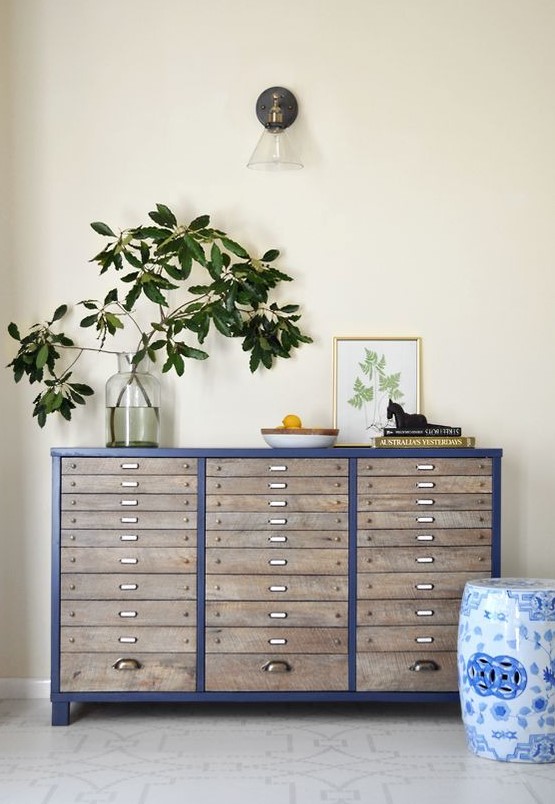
{"points": [[414, 421]]}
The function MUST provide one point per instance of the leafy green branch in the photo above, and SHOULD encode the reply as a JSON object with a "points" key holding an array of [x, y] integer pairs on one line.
{"points": [[379, 385], [149, 263]]}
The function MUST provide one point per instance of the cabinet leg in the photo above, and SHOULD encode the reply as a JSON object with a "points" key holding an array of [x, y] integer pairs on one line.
{"points": [[60, 713]]}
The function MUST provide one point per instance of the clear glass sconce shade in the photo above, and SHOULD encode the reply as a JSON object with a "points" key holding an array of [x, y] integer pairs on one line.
{"points": [[274, 152]]}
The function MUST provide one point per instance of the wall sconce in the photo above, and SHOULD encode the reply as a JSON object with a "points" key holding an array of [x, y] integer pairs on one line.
{"points": [[276, 108]]}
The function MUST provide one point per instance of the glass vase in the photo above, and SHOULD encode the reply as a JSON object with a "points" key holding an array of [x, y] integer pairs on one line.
{"points": [[132, 405]]}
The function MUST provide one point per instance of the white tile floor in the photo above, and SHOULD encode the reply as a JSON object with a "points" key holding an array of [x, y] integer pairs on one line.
{"points": [[253, 754]]}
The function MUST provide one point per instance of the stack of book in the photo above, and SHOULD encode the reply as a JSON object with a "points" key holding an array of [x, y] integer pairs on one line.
{"points": [[426, 437]]}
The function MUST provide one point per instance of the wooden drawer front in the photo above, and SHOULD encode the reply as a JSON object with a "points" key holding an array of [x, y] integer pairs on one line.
{"points": [[424, 467], [129, 520], [425, 503], [118, 484], [430, 536], [147, 672], [303, 562], [119, 586], [276, 520], [276, 485], [278, 504], [129, 466], [408, 586], [440, 484], [424, 519], [128, 614], [284, 640], [276, 588], [424, 559], [294, 614], [408, 612], [146, 639], [276, 540], [269, 673], [128, 559], [129, 503], [407, 638], [382, 672], [74, 537], [272, 467]]}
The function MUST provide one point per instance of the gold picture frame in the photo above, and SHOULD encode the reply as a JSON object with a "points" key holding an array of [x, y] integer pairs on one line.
{"points": [[367, 372]]}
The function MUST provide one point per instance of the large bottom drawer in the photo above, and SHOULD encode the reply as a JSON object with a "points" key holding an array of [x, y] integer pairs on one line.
{"points": [[407, 672], [127, 671], [285, 673]]}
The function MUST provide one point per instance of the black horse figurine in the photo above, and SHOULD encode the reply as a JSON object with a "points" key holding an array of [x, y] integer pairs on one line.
{"points": [[406, 421]]}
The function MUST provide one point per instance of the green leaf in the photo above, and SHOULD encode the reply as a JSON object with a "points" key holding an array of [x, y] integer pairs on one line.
{"points": [[59, 313], [235, 248], [270, 255], [85, 390], [13, 331], [163, 216], [88, 321], [42, 356], [102, 229], [199, 223], [152, 292]]}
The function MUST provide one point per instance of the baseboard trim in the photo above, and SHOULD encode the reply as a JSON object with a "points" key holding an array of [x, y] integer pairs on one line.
{"points": [[24, 688]]}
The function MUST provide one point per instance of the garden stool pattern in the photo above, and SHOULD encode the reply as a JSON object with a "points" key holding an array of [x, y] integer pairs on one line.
{"points": [[506, 665]]}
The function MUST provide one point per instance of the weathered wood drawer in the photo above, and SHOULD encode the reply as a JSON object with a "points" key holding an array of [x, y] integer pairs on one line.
{"points": [[129, 613], [119, 586], [277, 588], [304, 562], [440, 484], [278, 504], [118, 484], [284, 640], [408, 586], [74, 537], [294, 614], [276, 520], [129, 503], [128, 519], [275, 467], [407, 638], [448, 537], [407, 672], [424, 466], [423, 559], [129, 466], [290, 485], [128, 559], [424, 519], [267, 538], [425, 503], [141, 672], [408, 612], [238, 672], [146, 639]]}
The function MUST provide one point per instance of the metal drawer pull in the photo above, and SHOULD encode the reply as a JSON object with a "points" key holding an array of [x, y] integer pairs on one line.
{"points": [[127, 664], [424, 587], [425, 467], [425, 560], [423, 485], [129, 520], [127, 640], [277, 641], [277, 503], [129, 537], [128, 614], [278, 615], [277, 562], [277, 468], [129, 465], [277, 485], [129, 587], [277, 588], [425, 537], [128, 502], [425, 502], [425, 519], [129, 561], [276, 667], [424, 640], [424, 613], [277, 538], [129, 484], [424, 665], [277, 522]]}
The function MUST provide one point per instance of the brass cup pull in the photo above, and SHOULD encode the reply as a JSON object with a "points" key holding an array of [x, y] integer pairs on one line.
{"points": [[127, 664], [277, 667], [424, 666]]}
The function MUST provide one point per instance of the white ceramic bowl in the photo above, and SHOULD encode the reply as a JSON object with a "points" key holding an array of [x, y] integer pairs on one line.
{"points": [[297, 437]]}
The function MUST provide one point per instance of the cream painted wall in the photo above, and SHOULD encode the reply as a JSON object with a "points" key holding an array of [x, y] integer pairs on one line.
{"points": [[427, 128]]}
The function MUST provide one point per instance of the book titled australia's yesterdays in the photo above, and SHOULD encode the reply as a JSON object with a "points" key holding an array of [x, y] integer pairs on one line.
{"points": [[424, 441]]}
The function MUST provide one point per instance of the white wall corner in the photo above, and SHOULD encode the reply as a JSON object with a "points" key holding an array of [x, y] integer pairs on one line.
{"points": [[24, 688]]}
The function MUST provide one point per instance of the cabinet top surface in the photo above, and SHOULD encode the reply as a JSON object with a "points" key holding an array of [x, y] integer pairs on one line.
{"points": [[268, 452]]}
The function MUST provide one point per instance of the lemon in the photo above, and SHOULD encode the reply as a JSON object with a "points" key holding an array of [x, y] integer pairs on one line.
{"points": [[291, 420]]}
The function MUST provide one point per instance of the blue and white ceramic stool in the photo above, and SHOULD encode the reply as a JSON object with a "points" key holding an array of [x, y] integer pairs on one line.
{"points": [[506, 661]]}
